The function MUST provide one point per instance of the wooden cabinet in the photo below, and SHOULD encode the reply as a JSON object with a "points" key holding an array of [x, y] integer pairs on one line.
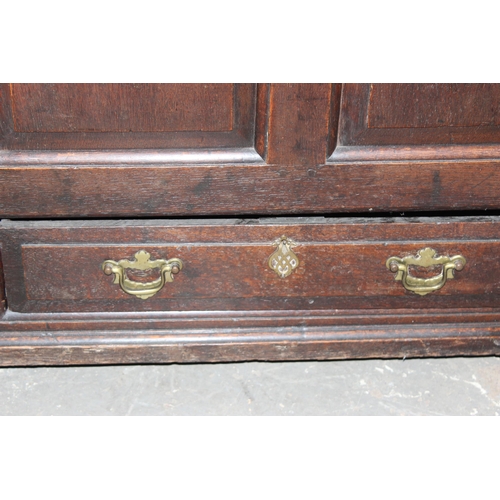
{"points": [[207, 222]]}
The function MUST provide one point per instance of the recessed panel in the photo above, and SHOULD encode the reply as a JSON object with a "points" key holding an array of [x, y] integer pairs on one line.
{"points": [[418, 122], [122, 107], [433, 105], [100, 117]]}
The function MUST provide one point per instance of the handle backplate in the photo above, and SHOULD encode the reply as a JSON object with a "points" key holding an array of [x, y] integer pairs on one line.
{"points": [[142, 262], [426, 257]]}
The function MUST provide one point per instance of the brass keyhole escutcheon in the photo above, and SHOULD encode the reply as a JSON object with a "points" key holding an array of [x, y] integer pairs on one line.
{"points": [[283, 260], [427, 257], [142, 262]]}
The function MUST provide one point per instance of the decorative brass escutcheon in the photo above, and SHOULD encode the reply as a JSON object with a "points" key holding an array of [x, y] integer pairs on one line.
{"points": [[426, 257], [283, 261], [142, 263]]}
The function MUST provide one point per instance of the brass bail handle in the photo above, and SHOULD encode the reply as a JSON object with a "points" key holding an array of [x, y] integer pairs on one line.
{"points": [[426, 257], [142, 262]]}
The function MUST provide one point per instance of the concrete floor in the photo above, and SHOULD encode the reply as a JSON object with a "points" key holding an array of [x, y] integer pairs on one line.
{"points": [[447, 386]]}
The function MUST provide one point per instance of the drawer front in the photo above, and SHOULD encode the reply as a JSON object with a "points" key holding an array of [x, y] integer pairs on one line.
{"points": [[228, 265]]}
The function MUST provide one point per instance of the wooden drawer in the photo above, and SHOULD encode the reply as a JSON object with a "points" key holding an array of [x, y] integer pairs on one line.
{"points": [[56, 267], [227, 304]]}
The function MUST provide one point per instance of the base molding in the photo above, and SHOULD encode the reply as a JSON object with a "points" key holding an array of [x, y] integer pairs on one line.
{"points": [[155, 346]]}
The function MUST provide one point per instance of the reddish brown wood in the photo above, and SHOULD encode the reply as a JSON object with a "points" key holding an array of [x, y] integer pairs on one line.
{"points": [[129, 191], [127, 116], [335, 101], [215, 321], [431, 105], [407, 121], [262, 119], [190, 150], [56, 267], [293, 179], [195, 346], [298, 124], [122, 107], [2, 288]]}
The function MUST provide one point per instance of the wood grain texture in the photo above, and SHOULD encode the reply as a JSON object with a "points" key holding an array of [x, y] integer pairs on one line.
{"points": [[342, 264], [130, 190], [274, 124], [335, 102], [431, 105], [127, 116], [2, 286], [286, 328], [245, 345], [262, 119], [102, 324], [111, 152], [122, 107], [299, 119], [384, 122], [343, 272]]}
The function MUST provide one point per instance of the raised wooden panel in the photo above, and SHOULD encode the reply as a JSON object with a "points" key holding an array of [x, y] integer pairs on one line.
{"points": [[122, 107], [418, 121], [127, 116], [434, 105]]}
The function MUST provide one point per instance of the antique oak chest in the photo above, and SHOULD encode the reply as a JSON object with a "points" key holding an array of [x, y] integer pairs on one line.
{"points": [[157, 223]]}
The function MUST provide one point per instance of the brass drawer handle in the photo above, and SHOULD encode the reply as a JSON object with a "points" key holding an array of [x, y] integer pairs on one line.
{"points": [[142, 263], [426, 257]]}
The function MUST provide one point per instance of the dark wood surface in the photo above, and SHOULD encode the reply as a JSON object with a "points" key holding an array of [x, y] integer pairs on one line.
{"points": [[418, 121], [68, 117], [53, 347], [137, 191], [122, 151], [121, 108], [274, 161], [457, 320], [2, 286], [56, 267]]}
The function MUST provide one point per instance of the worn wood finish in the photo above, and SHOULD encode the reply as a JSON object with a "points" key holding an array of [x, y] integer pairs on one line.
{"points": [[131, 191], [418, 121], [457, 320], [2, 286], [56, 267], [121, 151], [115, 108], [299, 119], [432, 105], [43, 348], [127, 116], [276, 160]]}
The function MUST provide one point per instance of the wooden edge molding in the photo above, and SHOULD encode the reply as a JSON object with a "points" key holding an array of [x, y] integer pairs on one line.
{"points": [[415, 153], [40, 348], [3, 305], [120, 157]]}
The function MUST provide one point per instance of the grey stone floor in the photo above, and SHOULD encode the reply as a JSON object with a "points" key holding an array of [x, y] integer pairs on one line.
{"points": [[448, 386]]}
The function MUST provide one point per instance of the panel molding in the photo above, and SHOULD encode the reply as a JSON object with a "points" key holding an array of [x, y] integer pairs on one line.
{"points": [[360, 141], [26, 341], [240, 134], [121, 157]]}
